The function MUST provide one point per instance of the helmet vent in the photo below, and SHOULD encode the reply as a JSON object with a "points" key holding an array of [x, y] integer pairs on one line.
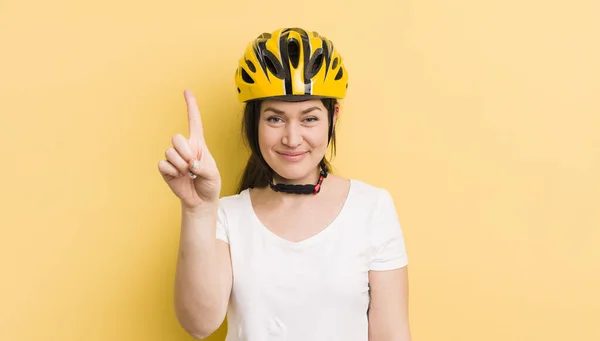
{"points": [[335, 63], [246, 77], [340, 74], [293, 52], [273, 64], [314, 64], [251, 65]]}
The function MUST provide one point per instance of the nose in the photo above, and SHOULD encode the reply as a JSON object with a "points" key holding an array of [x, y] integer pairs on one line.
{"points": [[292, 136]]}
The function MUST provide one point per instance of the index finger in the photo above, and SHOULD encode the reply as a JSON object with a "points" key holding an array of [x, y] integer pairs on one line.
{"points": [[195, 124]]}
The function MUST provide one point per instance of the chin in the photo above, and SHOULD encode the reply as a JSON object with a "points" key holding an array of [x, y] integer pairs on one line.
{"points": [[292, 171]]}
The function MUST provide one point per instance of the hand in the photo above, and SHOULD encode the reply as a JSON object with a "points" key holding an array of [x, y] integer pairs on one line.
{"points": [[190, 170]]}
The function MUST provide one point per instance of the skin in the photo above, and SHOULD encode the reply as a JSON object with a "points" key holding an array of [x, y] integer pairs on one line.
{"points": [[287, 129], [203, 278]]}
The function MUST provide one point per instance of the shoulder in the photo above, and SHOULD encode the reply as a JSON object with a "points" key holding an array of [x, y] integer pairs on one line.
{"points": [[232, 209], [233, 198], [369, 193], [367, 202], [233, 202]]}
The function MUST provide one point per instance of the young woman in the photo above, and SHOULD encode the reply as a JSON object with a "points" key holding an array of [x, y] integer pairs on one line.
{"points": [[298, 254]]}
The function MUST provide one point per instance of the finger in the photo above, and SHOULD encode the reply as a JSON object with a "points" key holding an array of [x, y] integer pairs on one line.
{"points": [[193, 168], [176, 160], [182, 147], [195, 123], [167, 169]]}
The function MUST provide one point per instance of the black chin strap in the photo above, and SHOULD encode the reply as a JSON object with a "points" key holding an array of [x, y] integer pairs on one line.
{"points": [[301, 189]]}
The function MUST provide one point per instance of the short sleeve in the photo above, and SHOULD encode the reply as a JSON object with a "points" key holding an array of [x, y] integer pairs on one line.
{"points": [[222, 230], [389, 251]]}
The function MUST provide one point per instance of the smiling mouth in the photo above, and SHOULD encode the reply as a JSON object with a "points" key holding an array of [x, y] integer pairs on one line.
{"points": [[291, 154], [292, 157]]}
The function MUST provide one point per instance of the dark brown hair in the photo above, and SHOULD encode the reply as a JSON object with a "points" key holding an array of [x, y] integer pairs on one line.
{"points": [[257, 172]]}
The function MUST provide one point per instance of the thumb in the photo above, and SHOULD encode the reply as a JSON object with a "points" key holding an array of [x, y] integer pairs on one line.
{"points": [[194, 166]]}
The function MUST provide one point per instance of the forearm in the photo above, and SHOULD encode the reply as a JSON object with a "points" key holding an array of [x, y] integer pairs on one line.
{"points": [[198, 289]]}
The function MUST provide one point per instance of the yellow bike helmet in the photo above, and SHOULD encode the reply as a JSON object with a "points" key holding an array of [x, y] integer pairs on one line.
{"points": [[291, 64]]}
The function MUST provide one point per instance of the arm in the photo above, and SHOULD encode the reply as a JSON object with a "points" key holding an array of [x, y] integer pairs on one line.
{"points": [[203, 275], [388, 312]]}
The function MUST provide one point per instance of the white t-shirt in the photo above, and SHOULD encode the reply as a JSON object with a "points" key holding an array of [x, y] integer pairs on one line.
{"points": [[316, 289]]}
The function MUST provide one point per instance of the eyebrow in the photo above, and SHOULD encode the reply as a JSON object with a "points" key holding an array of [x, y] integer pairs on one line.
{"points": [[281, 112]]}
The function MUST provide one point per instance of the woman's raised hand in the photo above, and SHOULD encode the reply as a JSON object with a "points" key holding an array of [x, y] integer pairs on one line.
{"points": [[189, 169]]}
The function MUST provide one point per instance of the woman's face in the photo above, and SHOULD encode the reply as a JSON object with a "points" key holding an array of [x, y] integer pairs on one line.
{"points": [[293, 138]]}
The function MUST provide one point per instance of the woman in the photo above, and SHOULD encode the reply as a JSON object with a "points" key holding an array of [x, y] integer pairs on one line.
{"points": [[297, 254]]}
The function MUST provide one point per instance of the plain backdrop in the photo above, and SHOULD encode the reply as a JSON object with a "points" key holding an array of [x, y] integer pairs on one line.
{"points": [[482, 118]]}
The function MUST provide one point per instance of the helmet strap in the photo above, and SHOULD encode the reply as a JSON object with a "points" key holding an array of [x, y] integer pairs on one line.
{"points": [[302, 189]]}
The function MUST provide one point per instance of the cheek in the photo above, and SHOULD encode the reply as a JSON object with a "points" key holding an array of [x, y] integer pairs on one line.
{"points": [[267, 137], [318, 137]]}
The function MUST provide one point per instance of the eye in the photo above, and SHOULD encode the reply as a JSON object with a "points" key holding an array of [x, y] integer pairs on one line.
{"points": [[311, 119], [273, 119]]}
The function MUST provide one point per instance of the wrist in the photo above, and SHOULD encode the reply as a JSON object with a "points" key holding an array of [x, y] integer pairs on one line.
{"points": [[200, 210]]}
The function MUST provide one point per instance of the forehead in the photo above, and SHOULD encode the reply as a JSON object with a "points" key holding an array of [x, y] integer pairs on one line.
{"points": [[292, 107]]}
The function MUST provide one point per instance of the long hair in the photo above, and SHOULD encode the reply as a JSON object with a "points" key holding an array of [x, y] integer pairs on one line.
{"points": [[257, 172]]}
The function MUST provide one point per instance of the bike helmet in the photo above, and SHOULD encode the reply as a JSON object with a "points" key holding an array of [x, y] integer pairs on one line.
{"points": [[291, 64]]}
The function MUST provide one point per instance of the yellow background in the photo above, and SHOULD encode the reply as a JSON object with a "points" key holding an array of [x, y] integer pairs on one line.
{"points": [[482, 118]]}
